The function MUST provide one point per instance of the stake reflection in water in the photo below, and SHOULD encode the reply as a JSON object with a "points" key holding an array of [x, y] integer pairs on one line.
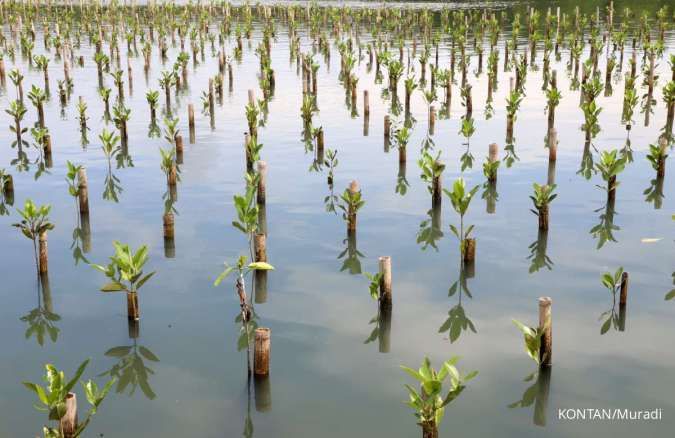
{"points": [[42, 319]]}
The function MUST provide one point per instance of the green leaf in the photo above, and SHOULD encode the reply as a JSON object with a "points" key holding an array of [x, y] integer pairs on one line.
{"points": [[414, 374], [144, 279], [222, 275], [39, 390], [113, 287], [670, 295], [260, 266]]}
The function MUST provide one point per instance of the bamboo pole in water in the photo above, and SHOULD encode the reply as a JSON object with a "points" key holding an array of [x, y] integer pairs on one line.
{"points": [[83, 191], [261, 356], [68, 423], [623, 298], [43, 253], [546, 323]]}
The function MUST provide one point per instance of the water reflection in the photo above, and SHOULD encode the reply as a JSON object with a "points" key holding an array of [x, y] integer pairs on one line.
{"points": [[536, 394], [458, 322], [430, 229], [491, 196], [382, 329], [604, 231], [402, 183], [671, 295], [42, 319], [350, 256], [538, 258], [131, 370], [654, 193], [613, 318]]}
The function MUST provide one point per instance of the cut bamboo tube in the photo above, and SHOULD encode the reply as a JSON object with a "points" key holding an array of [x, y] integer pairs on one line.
{"points": [[623, 299], [262, 182], [385, 280], [261, 357], [83, 191], [546, 323], [44, 253], [68, 423], [260, 247]]}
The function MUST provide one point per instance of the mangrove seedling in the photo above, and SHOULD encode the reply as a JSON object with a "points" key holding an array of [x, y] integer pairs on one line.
{"points": [[542, 197], [374, 284], [38, 97], [533, 339], [168, 165], [432, 170], [17, 110], [352, 202], [609, 166], [34, 224], [152, 96], [460, 199], [243, 268], [125, 272], [54, 400], [429, 402], [490, 170], [657, 158]]}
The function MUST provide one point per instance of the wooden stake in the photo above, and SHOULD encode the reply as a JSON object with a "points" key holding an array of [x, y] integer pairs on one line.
{"points": [[132, 306], [385, 281], [432, 119], [469, 253], [545, 323], [366, 104], [260, 247], [191, 122], [83, 191], [179, 149], [387, 127], [552, 145], [169, 222], [493, 152], [44, 253], [68, 423], [623, 299], [261, 357], [262, 182]]}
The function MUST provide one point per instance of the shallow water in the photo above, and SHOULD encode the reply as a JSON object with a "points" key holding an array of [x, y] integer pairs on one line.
{"points": [[325, 381]]}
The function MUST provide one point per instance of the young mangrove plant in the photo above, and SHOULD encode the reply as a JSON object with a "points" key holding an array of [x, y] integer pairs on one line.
{"points": [[247, 210], [460, 199], [17, 110], [243, 268], [59, 401], [351, 202], [125, 272], [609, 166], [168, 166], [490, 169], [34, 225], [513, 101], [432, 170], [657, 158], [542, 197], [533, 341], [38, 97], [152, 97], [429, 402]]}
